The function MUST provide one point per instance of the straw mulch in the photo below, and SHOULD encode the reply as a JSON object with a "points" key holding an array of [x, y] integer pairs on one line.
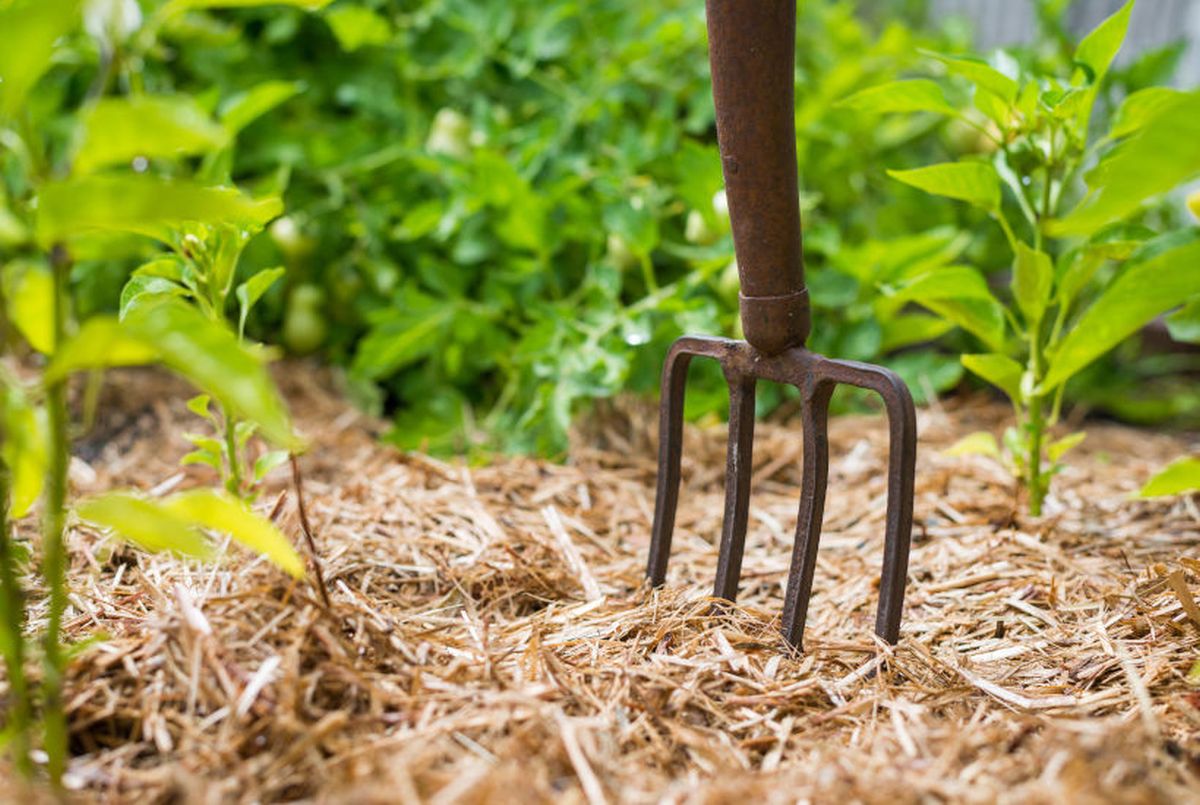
{"points": [[490, 638]]}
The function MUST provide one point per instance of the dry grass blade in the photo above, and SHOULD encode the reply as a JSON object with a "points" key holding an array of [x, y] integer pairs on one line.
{"points": [[493, 640]]}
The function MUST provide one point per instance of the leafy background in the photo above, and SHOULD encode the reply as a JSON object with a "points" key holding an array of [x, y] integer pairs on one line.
{"points": [[498, 212]]}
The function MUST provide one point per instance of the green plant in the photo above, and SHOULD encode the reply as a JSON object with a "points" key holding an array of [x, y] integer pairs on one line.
{"points": [[1179, 477], [499, 211], [1082, 280], [69, 189]]}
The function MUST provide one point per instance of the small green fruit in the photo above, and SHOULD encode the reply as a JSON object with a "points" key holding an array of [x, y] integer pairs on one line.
{"points": [[1193, 202], [304, 327], [619, 253], [449, 134], [290, 240], [697, 229], [729, 284]]}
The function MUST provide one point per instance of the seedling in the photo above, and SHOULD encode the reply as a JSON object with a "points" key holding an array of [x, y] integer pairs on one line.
{"points": [[66, 194]]}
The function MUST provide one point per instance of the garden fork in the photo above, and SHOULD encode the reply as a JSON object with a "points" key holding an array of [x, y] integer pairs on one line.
{"points": [[752, 48]]}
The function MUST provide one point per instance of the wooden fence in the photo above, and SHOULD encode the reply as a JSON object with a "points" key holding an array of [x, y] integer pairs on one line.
{"points": [[1155, 23]]}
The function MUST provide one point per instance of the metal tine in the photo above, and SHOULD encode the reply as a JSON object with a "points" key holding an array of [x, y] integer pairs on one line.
{"points": [[738, 463], [670, 451], [902, 448], [815, 423], [816, 377], [902, 470]]}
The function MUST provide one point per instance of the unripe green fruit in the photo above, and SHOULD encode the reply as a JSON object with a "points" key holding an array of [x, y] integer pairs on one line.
{"points": [[729, 284], [304, 327], [697, 229], [290, 240], [449, 134], [619, 252]]}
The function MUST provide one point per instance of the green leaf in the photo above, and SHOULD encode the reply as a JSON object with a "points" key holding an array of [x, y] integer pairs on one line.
{"points": [[1143, 292], [1140, 108], [29, 29], [914, 95], [981, 74], [402, 335], [243, 109], [1032, 281], [101, 342], [947, 282], [1099, 48], [115, 130], [420, 220], [29, 292], [25, 449], [141, 288], [1060, 447], [198, 405], [206, 443], [210, 355], [974, 182], [911, 328], [269, 461], [356, 26], [993, 106], [177, 6], [169, 268], [224, 513], [1116, 242], [980, 443], [1184, 324], [1178, 477], [983, 318], [960, 295], [200, 456], [250, 291], [144, 205], [1157, 159], [1000, 370], [150, 524]]}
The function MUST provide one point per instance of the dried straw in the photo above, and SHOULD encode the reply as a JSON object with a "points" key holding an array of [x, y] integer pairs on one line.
{"points": [[490, 638]]}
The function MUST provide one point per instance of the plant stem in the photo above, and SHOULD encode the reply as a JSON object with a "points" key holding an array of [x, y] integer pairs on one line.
{"points": [[12, 609], [54, 554], [234, 482]]}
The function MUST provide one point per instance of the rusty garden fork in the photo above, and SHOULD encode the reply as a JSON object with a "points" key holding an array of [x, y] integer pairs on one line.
{"points": [[752, 52]]}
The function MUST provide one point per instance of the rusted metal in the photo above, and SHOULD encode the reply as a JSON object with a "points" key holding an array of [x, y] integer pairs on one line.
{"points": [[752, 51]]}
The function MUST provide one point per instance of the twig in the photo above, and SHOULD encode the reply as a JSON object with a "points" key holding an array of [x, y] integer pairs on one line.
{"points": [[298, 481]]}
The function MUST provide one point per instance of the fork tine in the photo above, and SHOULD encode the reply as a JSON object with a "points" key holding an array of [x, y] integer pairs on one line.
{"points": [[902, 460], [738, 464], [815, 420], [670, 449]]}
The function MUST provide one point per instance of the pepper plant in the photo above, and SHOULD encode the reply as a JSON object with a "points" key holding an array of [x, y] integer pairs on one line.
{"points": [[88, 180], [1088, 267]]}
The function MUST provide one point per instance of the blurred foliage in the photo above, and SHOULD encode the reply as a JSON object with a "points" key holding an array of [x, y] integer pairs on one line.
{"points": [[498, 211]]}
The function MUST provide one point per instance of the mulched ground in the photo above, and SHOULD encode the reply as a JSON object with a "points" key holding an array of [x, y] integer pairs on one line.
{"points": [[490, 638]]}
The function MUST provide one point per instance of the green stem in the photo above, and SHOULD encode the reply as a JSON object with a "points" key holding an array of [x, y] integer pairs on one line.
{"points": [[54, 554], [648, 274], [233, 461], [12, 610], [1002, 219], [1034, 479]]}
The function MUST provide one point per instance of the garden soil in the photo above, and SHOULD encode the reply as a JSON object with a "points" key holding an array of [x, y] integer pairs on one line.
{"points": [[490, 639]]}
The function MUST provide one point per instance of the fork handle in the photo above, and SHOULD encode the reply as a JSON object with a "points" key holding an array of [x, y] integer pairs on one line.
{"points": [[752, 48]]}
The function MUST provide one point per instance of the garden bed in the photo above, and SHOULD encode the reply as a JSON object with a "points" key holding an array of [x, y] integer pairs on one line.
{"points": [[490, 637]]}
